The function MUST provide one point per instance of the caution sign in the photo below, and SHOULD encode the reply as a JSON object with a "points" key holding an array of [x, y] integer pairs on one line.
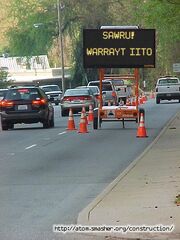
{"points": [[113, 48]]}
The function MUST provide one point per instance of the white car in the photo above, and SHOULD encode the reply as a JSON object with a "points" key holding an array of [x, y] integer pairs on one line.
{"points": [[53, 92]]}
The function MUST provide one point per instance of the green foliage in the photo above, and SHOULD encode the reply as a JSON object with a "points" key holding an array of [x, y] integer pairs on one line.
{"points": [[3, 79], [163, 15]]}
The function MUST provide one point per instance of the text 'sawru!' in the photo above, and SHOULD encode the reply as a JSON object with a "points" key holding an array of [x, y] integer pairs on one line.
{"points": [[112, 48]]}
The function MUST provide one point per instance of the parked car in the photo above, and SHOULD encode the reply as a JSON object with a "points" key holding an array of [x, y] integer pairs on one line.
{"points": [[77, 98], [54, 93], [26, 105], [3, 93], [108, 91]]}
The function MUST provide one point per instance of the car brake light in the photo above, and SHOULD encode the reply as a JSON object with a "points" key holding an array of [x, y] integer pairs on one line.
{"points": [[39, 102], [6, 103], [113, 94]]}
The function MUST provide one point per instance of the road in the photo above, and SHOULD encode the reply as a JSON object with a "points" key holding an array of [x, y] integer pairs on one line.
{"points": [[48, 176]]}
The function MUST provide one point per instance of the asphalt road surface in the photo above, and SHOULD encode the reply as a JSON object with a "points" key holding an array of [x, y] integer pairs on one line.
{"points": [[47, 176]]}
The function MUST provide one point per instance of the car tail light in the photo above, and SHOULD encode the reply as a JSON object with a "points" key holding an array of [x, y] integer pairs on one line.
{"points": [[6, 103], [39, 102], [113, 94], [97, 97]]}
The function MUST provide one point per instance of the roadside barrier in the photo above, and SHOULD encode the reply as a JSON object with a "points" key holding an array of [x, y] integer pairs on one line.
{"points": [[71, 124], [91, 114], [83, 124], [141, 132]]}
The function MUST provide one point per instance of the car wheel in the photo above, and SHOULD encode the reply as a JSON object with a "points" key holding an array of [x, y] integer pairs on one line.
{"points": [[95, 123], [64, 113], [11, 126], [51, 122], [179, 100], [46, 123], [157, 100], [4, 126]]}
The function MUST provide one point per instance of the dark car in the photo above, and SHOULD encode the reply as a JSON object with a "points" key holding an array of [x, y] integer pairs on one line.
{"points": [[26, 105]]}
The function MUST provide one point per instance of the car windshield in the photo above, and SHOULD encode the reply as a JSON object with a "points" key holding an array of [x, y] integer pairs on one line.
{"points": [[168, 81], [76, 92], [23, 94], [106, 86], [51, 88], [118, 82]]}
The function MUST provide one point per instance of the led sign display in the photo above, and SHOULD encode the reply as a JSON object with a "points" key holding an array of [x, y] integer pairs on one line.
{"points": [[114, 48]]}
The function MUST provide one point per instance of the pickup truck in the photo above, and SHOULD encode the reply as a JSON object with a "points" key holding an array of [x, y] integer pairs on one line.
{"points": [[167, 88], [123, 90]]}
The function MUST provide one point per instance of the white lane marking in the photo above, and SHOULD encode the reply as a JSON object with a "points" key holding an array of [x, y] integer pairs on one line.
{"points": [[62, 133], [34, 145]]}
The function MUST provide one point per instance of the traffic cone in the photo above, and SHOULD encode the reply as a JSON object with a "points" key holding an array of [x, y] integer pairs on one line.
{"points": [[71, 124], [144, 99], [141, 132], [84, 111], [91, 114], [141, 100], [83, 124]]}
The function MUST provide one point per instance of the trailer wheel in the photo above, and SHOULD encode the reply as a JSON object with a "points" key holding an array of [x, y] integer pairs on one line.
{"points": [[95, 123]]}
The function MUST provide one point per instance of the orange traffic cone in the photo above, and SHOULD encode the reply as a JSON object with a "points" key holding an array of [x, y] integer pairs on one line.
{"points": [[141, 132], [84, 111], [71, 124], [91, 114], [141, 100], [144, 99], [83, 124]]}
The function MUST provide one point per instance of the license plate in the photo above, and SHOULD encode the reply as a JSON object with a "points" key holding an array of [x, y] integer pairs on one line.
{"points": [[77, 101], [22, 107]]}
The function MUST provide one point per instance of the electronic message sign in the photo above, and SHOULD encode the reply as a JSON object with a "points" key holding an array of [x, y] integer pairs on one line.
{"points": [[114, 48]]}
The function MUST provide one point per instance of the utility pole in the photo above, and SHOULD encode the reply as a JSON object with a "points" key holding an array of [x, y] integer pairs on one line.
{"points": [[60, 8]]}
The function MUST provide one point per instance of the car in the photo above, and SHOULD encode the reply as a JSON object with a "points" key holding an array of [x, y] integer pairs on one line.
{"points": [[3, 93], [167, 88], [124, 91], [108, 91], [76, 98], [53, 91], [26, 105], [94, 89]]}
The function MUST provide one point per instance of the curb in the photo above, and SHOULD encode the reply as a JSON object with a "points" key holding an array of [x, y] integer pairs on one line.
{"points": [[84, 215]]}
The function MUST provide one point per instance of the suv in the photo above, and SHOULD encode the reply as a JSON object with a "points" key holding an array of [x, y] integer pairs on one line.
{"points": [[108, 91], [26, 105], [167, 88], [54, 93]]}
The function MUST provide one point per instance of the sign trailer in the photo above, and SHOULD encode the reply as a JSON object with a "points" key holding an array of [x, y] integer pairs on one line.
{"points": [[118, 47]]}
